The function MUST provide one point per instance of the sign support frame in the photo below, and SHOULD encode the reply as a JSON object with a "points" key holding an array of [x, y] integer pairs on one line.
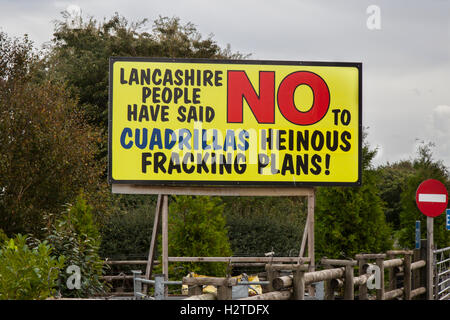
{"points": [[162, 212]]}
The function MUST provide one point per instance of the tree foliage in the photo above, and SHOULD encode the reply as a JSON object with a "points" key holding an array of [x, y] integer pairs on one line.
{"points": [[350, 220], [425, 167], [258, 225], [26, 271], [197, 228], [81, 55], [391, 183], [127, 231], [46, 148]]}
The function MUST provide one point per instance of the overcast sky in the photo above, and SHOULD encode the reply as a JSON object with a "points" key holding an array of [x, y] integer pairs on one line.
{"points": [[404, 46]]}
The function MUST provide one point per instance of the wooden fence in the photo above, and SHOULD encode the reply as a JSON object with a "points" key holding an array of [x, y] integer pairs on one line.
{"points": [[401, 276], [338, 276]]}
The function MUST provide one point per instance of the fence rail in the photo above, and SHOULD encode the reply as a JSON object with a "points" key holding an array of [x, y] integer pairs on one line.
{"points": [[406, 277]]}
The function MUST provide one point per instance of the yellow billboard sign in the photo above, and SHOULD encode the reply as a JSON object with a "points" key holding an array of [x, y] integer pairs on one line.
{"points": [[234, 122]]}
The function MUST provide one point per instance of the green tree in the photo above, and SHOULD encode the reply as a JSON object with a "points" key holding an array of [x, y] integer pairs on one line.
{"points": [[47, 151], [81, 55], [391, 184], [425, 167], [350, 220], [197, 228]]}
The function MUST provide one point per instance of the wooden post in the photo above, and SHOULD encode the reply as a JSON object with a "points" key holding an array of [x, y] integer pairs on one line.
{"points": [[429, 258], [271, 275], [392, 275], [224, 292], [423, 271], [416, 273], [152, 250], [311, 205], [299, 284], [349, 290], [329, 290], [380, 292], [195, 290], [305, 236], [363, 287], [165, 239], [407, 277]]}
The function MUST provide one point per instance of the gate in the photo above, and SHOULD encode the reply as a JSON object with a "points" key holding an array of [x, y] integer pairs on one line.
{"points": [[442, 274]]}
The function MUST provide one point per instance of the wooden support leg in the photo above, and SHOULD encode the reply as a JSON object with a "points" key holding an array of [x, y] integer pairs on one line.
{"points": [[153, 242], [311, 205], [165, 239]]}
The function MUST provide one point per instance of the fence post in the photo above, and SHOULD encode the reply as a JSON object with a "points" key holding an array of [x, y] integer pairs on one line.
{"points": [[392, 275], [271, 274], [416, 273], [380, 292], [423, 256], [407, 277], [225, 290], [194, 290], [349, 290], [362, 287], [329, 290], [137, 285], [298, 283]]}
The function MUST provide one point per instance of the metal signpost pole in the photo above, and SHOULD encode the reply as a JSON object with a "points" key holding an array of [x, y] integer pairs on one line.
{"points": [[430, 258]]}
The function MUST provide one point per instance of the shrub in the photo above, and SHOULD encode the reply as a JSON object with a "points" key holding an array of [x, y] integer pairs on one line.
{"points": [[27, 272], [126, 233], [76, 237], [197, 228], [262, 224]]}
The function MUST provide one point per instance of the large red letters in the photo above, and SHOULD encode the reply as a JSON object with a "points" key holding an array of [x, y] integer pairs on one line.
{"points": [[263, 104]]}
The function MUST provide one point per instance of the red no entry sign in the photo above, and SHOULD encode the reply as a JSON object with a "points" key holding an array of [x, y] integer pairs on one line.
{"points": [[431, 198]]}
